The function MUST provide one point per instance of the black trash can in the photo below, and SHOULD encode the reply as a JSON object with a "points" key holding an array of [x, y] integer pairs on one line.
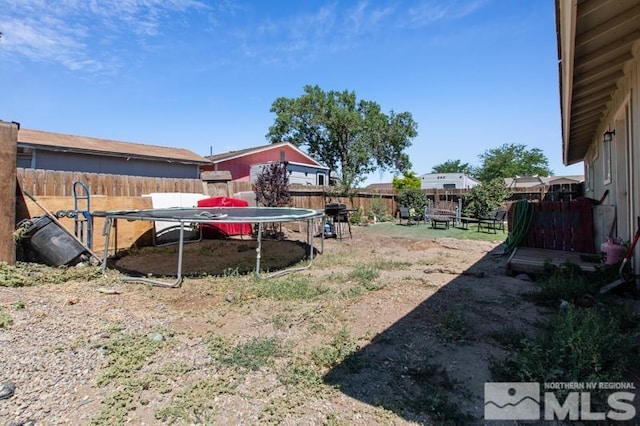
{"points": [[51, 243]]}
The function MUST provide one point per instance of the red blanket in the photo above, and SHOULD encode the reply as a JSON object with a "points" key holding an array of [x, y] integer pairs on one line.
{"points": [[224, 229]]}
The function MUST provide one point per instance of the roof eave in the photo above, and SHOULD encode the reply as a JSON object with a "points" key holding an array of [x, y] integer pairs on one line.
{"points": [[109, 154], [566, 13]]}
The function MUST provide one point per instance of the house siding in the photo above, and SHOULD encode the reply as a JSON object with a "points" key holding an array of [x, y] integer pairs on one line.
{"points": [[447, 181], [299, 174], [76, 162], [624, 187], [240, 167]]}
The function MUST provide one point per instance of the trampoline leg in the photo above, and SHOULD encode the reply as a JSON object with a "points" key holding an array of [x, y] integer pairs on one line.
{"points": [[106, 232], [180, 250], [310, 239], [159, 283], [324, 221], [258, 248]]}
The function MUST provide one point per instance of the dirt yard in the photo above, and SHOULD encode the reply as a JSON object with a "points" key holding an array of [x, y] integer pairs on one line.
{"points": [[380, 330]]}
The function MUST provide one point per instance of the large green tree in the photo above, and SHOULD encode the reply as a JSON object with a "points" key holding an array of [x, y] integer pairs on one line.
{"points": [[452, 166], [408, 180], [353, 138], [511, 160]]}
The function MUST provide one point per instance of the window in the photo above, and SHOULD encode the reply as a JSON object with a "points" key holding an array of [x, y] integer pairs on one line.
{"points": [[606, 160], [25, 157], [588, 176], [320, 179]]}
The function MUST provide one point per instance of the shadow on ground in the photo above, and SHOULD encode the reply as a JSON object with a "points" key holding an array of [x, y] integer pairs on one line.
{"points": [[211, 257], [430, 366]]}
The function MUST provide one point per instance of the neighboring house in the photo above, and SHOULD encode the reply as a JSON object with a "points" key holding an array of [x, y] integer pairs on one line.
{"points": [[447, 181], [239, 163], [553, 188], [379, 187], [598, 44], [56, 151], [524, 182], [299, 173], [549, 183]]}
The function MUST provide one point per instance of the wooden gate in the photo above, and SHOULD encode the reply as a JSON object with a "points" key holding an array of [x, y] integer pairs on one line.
{"points": [[565, 226]]}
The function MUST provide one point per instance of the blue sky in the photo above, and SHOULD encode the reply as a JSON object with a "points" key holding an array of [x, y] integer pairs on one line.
{"points": [[202, 75]]}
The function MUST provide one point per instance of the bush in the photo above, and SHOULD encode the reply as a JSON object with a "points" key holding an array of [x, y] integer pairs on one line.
{"points": [[484, 198], [378, 207], [577, 345], [568, 282], [412, 198], [272, 186]]}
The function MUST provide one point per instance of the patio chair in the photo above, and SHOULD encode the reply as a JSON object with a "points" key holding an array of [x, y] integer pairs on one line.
{"points": [[493, 222], [410, 215]]}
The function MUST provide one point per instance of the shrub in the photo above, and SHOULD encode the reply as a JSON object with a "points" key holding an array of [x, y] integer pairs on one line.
{"points": [[576, 345], [484, 198], [412, 198], [272, 186], [378, 207], [564, 282]]}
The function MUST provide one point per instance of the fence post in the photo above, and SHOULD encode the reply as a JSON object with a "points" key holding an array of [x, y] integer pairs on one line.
{"points": [[8, 176], [217, 183]]}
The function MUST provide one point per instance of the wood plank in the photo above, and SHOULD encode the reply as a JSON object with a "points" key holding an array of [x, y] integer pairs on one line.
{"points": [[128, 232], [67, 180], [548, 225], [30, 181], [40, 183], [587, 229], [532, 260], [565, 226], [8, 176]]}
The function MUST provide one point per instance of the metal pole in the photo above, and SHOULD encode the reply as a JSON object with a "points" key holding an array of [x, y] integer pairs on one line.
{"points": [[180, 250], [106, 231], [258, 248], [310, 238]]}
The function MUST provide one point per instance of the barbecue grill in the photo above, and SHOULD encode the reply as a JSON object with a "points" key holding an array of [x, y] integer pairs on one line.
{"points": [[338, 215]]}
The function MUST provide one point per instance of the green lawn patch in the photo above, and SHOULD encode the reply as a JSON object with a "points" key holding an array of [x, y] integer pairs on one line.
{"points": [[422, 231]]}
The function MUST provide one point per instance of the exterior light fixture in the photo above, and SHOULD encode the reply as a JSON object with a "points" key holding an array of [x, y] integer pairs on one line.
{"points": [[608, 135]]}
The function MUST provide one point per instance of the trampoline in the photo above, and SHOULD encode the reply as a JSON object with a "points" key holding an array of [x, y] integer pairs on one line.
{"points": [[210, 215]]}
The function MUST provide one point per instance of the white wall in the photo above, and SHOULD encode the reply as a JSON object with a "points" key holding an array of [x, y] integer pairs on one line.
{"points": [[298, 174], [439, 180], [623, 115]]}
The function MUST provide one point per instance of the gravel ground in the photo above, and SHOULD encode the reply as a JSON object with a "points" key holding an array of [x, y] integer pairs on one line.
{"points": [[57, 345]]}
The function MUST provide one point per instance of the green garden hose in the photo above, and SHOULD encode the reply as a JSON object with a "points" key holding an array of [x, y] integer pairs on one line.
{"points": [[522, 217]]}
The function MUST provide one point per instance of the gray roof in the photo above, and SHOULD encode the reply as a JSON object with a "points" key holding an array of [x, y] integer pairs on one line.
{"points": [[84, 144]]}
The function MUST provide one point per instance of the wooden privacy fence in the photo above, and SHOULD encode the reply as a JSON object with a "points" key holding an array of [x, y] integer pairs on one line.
{"points": [[40, 183], [565, 226], [58, 183], [54, 183], [316, 197]]}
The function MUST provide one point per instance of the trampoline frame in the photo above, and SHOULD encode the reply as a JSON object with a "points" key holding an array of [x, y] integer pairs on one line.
{"points": [[211, 215]]}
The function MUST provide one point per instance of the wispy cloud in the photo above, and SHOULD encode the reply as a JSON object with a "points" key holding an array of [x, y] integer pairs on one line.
{"points": [[63, 31], [340, 26], [304, 37], [427, 12], [92, 35]]}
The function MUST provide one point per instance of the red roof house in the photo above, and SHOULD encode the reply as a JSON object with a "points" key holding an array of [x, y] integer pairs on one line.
{"points": [[239, 163]]}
